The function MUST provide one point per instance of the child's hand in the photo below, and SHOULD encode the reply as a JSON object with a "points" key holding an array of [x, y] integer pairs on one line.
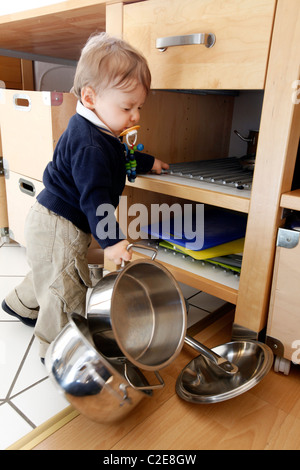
{"points": [[118, 252], [158, 166]]}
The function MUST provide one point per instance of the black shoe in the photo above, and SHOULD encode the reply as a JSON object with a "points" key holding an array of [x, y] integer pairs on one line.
{"points": [[26, 321]]}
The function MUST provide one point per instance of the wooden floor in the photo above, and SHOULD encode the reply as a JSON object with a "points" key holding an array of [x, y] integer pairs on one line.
{"points": [[266, 417]]}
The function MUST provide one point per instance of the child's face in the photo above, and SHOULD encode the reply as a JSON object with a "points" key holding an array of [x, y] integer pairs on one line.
{"points": [[118, 108]]}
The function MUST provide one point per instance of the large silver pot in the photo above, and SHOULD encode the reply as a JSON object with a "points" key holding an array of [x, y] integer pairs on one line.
{"points": [[101, 390], [139, 313]]}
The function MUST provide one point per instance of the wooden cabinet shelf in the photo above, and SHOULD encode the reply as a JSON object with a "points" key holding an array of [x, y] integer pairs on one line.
{"points": [[213, 280], [199, 274], [291, 200], [57, 31], [201, 192]]}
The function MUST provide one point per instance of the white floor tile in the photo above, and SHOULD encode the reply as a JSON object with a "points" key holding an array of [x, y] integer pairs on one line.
{"points": [[40, 402], [13, 261], [13, 426], [24, 384], [14, 341], [195, 315], [206, 302], [32, 370], [187, 291]]}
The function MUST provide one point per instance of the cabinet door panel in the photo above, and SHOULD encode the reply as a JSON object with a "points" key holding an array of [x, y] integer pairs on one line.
{"points": [[238, 59], [283, 322], [31, 124], [21, 194]]}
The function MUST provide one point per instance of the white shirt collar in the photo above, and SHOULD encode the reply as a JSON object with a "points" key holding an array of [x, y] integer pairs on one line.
{"points": [[91, 116]]}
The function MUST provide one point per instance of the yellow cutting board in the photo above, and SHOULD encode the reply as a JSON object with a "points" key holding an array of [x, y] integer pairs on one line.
{"points": [[236, 246]]}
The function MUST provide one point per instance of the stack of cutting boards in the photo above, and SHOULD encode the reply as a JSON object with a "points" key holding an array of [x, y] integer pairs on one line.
{"points": [[221, 241]]}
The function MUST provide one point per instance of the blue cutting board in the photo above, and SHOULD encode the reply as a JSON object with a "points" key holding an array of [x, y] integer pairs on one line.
{"points": [[220, 226]]}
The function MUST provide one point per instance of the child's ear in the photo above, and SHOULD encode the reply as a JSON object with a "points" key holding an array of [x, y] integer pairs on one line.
{"points": [[88, 97]]}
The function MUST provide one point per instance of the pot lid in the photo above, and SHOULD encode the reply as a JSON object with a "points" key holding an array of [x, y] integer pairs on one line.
{"points": [[198, 382]]}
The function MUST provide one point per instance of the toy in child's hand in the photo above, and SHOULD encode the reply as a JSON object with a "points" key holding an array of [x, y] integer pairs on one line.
{"points": [[130, 147]]}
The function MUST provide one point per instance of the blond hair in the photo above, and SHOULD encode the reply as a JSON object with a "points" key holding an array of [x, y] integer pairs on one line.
{"points": [[108, 62]]}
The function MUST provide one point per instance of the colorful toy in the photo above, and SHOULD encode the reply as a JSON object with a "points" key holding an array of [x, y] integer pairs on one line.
{"points": [[130, 147]]}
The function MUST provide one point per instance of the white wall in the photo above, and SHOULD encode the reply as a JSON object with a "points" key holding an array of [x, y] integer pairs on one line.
{"points": [[246, 117], [53, 77]]}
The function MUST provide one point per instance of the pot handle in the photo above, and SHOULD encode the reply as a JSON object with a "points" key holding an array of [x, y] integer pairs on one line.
{"points": [[245, 139], [144, 247], [145, 387]]}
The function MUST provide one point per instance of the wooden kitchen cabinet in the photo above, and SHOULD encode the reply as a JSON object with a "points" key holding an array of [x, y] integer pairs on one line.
{"points": [[31, 124], [16, 73], [283, 328], [277, 146], [237, 60], [274, 169], [256, 48]]}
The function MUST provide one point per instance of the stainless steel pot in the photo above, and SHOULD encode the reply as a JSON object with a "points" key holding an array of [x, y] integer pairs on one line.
{"points": [[139, 313], [101, 390]]}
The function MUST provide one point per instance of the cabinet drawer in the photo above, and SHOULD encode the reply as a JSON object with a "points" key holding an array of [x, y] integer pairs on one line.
{"points": [[237, 60], [21, 193], [31, 124], [283, 327]]}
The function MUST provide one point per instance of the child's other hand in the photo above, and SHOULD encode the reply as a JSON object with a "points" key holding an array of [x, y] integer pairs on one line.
{"points": [[118, 252], [158, 166]]}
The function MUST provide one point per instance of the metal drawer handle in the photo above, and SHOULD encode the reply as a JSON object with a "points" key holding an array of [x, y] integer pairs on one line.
{"points": [[186, 40], [27, 187]]}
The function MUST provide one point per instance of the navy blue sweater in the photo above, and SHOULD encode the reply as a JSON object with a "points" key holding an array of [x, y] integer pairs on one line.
{"points": [[87, 170]]}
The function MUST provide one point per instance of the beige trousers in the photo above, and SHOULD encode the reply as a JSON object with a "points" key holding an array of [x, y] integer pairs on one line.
{"points": [[57, 283]]}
